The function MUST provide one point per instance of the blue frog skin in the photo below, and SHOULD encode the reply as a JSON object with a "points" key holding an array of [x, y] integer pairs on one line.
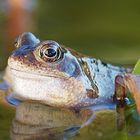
{"points": [[52, 74]]}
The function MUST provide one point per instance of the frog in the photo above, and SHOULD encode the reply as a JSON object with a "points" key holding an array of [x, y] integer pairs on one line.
{"points": [[52, 74]]}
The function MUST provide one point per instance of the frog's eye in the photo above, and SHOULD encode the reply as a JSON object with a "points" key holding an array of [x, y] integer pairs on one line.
{"points": [[50, 51]]}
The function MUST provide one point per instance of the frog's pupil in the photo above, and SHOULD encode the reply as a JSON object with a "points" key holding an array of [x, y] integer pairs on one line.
{"points": [[50, 52]]}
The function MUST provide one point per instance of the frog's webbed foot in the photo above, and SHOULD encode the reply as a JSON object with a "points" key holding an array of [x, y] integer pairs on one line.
{"points": [[11, 99], [6, 93]]}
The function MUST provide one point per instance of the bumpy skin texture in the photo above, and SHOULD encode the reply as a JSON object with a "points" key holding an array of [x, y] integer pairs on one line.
{"points": [[52, 74]]}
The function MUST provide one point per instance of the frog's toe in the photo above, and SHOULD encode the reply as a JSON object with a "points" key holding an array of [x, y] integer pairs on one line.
{"points": [[12, 100]]}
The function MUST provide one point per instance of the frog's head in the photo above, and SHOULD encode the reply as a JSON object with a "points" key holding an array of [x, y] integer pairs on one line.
{"points": [[47, 72]]}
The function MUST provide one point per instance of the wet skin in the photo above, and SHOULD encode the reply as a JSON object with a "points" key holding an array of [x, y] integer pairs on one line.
{"points": [[47, 72]]}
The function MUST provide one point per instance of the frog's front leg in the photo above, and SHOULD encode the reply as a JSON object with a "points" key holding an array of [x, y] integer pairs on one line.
{"points": [[127, 84], [120, 91]]}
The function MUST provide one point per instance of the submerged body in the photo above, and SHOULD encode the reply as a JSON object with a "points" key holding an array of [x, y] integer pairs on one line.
{"points": [[47, 72]]}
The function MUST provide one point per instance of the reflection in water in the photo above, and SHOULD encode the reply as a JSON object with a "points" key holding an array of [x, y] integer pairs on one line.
{"points": [[38, 121], [35, 121]]}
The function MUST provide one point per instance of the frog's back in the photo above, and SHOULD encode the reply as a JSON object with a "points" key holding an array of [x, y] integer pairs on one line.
{"points": [[101, 77]]}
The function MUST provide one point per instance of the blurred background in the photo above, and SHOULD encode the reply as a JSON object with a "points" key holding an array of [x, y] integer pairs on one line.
{"points": [[108, 30]]}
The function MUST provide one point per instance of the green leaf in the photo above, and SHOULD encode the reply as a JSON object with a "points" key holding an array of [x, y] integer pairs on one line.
{"points": [[137, 68]]}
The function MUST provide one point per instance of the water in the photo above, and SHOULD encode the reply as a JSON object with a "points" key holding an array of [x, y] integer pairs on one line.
{"points": [[31, 120]]}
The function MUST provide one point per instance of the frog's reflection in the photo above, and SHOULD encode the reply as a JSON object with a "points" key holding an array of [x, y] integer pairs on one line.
{"points": [[38, 121]]}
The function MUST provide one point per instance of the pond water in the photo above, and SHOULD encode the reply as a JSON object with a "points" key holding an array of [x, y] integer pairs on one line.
{"points": [[31, 120]]}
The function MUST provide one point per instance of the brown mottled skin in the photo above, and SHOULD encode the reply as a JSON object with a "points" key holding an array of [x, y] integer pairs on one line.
{"points": [[47, 72]]}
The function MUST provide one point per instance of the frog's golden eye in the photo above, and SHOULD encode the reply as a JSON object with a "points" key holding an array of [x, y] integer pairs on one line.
{"points": [[50, 51]]}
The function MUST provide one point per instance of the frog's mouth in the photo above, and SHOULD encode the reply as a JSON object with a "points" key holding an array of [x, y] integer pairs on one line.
{"points": [[20, 69], [36, 74]]}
